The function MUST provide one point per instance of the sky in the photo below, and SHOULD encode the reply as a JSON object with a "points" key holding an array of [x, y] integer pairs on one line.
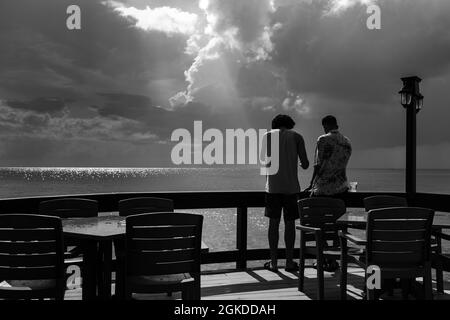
{"points": [[112, 93]]}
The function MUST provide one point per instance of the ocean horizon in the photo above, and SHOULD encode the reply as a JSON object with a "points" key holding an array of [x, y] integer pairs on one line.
{"points": [[49, 181]]}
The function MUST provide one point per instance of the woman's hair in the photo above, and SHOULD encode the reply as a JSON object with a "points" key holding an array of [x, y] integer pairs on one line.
{"points": [[283, 120]]}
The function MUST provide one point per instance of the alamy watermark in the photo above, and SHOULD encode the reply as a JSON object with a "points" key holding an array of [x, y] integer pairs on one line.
{"points": [[374, 20], [234, 147], [373, 280], [73, 21]]}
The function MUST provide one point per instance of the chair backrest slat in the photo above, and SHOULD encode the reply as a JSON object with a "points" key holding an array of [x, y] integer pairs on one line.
{"points": [[167, 244], [29, 260], [321, 213], [399, 237], [139, 267], [31, 248], [163, 243], [10, 247], [28, 273], [28, 234], [381, 202], [143, 205], [69, 208], [156, 232]]}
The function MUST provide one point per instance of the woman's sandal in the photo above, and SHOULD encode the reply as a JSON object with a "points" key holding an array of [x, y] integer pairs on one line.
{"points": [[268, 266]]}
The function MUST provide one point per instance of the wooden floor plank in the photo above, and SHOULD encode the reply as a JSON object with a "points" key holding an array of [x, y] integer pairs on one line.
{"points": [[260, 284]]}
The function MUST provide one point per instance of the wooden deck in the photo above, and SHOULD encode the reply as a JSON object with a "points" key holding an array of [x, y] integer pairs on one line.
{"points": [[260, 284]]}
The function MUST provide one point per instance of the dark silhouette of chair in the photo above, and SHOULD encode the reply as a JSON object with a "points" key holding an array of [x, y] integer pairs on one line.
{"points": [[70, 208], [163, 254], [135, 206], [31, 257], [398, 242], [318, 224], [382, 202], [66, 208]]}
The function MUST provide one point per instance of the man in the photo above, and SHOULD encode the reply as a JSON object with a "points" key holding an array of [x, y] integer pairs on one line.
{"points": [[282, 187], [329, 179], [333, 152]]}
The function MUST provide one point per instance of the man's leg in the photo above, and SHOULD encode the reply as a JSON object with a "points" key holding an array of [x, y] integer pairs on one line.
{"points": [[289, 240], [291, 214], [274, 226]]}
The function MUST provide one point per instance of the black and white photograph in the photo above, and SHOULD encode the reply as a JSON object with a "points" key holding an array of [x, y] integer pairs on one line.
{"points": [[220, 158]]}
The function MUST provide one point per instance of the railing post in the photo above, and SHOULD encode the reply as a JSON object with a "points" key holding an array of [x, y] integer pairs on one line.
{"points": [[411, 145], [241, 238]]}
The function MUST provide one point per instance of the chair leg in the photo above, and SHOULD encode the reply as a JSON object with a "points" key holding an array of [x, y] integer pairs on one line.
{"points": [[120, 269], [184, 295], [406, 287], [301, 270], [197, 290], [371, 294], [320, 276], [439, 277], [343, 280], [427, 284]]}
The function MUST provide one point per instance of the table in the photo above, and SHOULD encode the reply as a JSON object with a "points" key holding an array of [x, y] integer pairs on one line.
{"points": [[96, 236], [358, 218]]}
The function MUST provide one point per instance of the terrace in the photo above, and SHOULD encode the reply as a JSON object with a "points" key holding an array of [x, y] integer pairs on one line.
{"points": [[244, 282]]}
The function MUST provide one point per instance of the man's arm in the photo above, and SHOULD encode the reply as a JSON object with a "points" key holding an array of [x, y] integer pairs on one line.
{"points": [[301, 151], [319, 157]]}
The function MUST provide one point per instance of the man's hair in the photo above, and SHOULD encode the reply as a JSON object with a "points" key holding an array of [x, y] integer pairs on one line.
{"points": [[330, 121], [283, 120]]}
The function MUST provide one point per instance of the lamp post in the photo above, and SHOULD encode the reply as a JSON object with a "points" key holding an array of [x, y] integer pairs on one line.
{"points": [[412, 101]]}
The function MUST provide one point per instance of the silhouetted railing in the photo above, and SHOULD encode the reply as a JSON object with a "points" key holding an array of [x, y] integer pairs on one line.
{"points": [[241, 201]]}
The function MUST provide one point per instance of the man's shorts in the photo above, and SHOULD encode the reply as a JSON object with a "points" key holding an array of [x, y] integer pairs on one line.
{"points": [[276, 201]]}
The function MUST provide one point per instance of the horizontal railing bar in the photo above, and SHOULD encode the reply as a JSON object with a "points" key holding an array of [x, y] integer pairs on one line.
{"points": [[205, 200]]}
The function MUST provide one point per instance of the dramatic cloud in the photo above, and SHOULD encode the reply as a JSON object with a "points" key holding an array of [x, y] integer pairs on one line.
{"points": [[165, 19], [237, 32], [139, 69], [49, 105], [34, 124], [337, 6]]}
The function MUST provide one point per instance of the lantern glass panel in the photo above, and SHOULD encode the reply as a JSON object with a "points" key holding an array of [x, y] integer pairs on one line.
{"points": [[420, 103], [406, 98]]}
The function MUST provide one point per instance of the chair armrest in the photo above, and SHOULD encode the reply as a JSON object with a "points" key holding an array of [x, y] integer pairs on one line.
{"points": [[352, 238], [76, 251], [441, 235], [308, 229]]}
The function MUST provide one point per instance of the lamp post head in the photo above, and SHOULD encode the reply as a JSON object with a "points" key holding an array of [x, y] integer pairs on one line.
{"points": [[410, 94]]}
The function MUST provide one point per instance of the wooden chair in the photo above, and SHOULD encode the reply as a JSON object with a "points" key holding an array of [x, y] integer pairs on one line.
{"points": [[398, 242], [31, 257], [66, 208], [69, 208], [163, 254], [318, 224], [381, 202], [135, 206]]}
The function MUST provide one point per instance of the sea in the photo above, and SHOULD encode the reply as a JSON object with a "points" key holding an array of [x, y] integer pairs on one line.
{"points": [[219, 224]]}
